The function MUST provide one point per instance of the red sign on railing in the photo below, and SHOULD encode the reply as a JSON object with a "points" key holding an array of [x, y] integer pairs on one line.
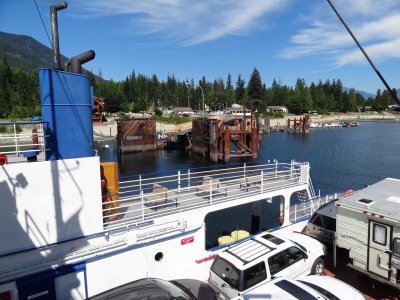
{"points": [[187, 240]]}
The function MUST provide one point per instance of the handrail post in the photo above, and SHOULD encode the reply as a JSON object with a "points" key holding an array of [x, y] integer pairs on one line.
{"points": [[188, 172], [291, 169], [295, 213], [16, 139], [140, 182], [142, 200], [244, 170], [211, 191], [179, 181], [276, 169], [262, 181]]}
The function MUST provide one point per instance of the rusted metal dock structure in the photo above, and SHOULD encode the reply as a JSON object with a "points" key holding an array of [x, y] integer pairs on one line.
{"points": [[301, 125], [220, 140], [137, 135]]}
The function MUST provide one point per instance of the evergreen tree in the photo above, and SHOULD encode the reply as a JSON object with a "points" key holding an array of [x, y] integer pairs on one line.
{"points": [[240, 90], [254, 86]]}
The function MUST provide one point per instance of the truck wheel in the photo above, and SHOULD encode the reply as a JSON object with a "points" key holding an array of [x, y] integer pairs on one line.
{"points": [[318, 267]]}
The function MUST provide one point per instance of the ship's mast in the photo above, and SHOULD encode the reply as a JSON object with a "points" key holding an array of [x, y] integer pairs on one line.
{"points": [[392, 92]]}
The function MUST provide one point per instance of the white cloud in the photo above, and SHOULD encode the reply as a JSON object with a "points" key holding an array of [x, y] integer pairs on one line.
{"points": [[375, 23], [190, 21]]}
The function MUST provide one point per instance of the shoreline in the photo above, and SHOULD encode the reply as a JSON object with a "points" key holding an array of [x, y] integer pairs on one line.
{"points": [[108, 130]]}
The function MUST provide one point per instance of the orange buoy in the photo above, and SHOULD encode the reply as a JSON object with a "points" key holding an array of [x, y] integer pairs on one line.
{"points": [[348, 192]]}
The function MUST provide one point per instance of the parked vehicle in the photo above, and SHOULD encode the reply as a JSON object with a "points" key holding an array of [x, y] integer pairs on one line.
{"points": [[282, 288], [332, 288], [310, 287], [153, 288], [322, 224], [253, 262], [367, 224]]}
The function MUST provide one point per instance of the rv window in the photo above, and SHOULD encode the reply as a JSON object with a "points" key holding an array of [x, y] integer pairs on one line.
{"points": [[396, 246], [379, 234]]}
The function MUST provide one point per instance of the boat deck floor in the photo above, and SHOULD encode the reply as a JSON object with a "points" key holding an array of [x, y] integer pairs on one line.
{"points": [[371, 289]]}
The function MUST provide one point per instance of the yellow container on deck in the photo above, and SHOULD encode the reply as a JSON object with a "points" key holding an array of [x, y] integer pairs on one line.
{"points": [[225, 239], [239, 234]]}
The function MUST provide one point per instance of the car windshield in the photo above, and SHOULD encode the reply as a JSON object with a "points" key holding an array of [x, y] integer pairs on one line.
{"points": [[300, 246], [226, 271], [322, 291]]}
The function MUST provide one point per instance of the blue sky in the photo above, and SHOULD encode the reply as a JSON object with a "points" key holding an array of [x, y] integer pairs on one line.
{"points": [[283, 39]]}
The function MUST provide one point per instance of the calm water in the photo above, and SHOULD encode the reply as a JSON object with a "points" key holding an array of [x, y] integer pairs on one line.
{"points": [[340, 159]]}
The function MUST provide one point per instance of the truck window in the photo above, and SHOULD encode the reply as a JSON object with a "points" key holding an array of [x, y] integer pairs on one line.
{"points": [[226, 271], [254, 275], [329, 223], [396, 246], [317, 220], [295, 254], [277, 263]]}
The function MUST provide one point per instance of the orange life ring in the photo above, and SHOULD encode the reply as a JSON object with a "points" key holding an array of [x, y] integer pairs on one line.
{"points": [[348, 192], [281, 217]]}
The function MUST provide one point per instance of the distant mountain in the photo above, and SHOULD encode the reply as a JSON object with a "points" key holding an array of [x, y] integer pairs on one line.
{"points": [[364, 94], [25, 52]]}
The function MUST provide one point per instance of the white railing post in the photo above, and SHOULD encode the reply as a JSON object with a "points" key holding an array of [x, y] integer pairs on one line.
{"points": [[142, 200], [244, 170], [295, 212], [291, 169], [188, 179], [276, 169], [211, 191], [179, 181], [262, 181], [16, 139], [140, 182]]}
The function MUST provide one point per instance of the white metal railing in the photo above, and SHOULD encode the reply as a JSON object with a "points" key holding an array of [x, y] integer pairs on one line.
{"points": [[18, 139], [306, 209], [146, 197]]}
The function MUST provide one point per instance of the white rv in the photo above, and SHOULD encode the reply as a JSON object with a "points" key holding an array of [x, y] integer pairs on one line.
{"points": [[368, 225]]}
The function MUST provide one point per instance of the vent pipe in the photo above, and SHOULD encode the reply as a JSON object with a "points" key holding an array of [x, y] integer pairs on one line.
{"points": [[54, 29], [79, 60], [67, 65]]}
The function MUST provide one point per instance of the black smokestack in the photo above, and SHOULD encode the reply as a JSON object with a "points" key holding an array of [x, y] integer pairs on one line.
{"points": [[54, 29], [79, 60]]}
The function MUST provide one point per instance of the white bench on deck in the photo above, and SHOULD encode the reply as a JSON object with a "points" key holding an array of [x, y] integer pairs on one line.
{"points": [[160, 194], [247, 181], [210, 183]]}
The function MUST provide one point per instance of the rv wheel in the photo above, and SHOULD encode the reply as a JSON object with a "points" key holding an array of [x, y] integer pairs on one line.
{"points": [[318, 267]]}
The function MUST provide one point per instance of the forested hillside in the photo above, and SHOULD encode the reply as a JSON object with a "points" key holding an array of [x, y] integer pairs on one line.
{"points": [[20, 56]]}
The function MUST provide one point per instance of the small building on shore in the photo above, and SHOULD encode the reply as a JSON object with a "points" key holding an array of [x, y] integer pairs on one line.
{"points": [[277, 109]]}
